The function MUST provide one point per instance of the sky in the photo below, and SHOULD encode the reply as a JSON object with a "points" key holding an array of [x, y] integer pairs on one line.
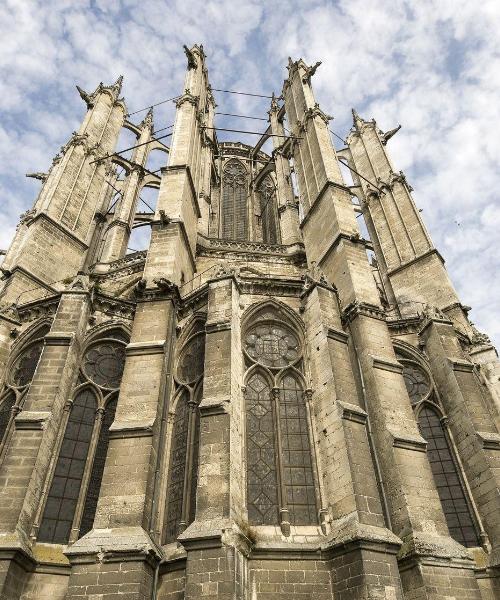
{"points": [[432, 66]]}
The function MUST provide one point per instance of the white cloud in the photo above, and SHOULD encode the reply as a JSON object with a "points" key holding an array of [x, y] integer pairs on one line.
{"points": [[432, 65]]}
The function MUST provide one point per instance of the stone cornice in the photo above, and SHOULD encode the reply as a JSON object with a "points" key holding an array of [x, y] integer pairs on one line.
{"points": [[386, 364], [337, 335], [32, 420], [365, 309]]}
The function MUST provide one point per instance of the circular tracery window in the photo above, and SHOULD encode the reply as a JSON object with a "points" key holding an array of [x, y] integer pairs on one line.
{"points": [[25, 366], [103, 363], [272, 345], [192, 359], [417, 382]]}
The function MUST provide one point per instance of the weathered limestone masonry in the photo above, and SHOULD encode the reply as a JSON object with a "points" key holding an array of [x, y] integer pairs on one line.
{"points": [[250, 408]]}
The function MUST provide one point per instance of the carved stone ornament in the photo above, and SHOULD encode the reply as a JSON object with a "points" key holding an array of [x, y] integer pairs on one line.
{"points": [[27, 217], [310, 71], [81, 283], [39, 176], [191, 58], [314, 275], [433, 312], [385, 137], [478, 338], [187, 97]]}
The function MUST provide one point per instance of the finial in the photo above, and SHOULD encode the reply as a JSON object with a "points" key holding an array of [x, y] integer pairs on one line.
{"points": [[148, 119], [355, 117], [274, 103], [117, 86], [310, 71]]}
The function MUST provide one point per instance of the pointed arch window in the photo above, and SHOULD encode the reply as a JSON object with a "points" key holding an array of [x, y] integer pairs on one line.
{"points": [[20, 374], [443, 461], [234, 209], [184, 453], [267, 205], [281, 485], [74, 490]]}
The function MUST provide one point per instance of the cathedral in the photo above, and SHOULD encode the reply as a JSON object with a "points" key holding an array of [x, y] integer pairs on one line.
{"points": [[281, 398]]}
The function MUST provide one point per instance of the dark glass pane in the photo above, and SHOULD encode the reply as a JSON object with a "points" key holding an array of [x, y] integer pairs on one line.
{"points": [[268, 211], [192, 359], [177, 469], [103, 363], [272, 345], [262, 483], [416, 381], [194, 468], [5, 413], [97, 469], [296, 454], [25, 366], [63, 494], [234, 201], [447, 479]]}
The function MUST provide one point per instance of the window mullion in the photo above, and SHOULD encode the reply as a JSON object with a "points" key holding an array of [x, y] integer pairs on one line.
{"points": [[283, 509], [188, 471]]}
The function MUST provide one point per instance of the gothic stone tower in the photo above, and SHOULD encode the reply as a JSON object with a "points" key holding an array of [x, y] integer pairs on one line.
{"points": [[261, 405]]}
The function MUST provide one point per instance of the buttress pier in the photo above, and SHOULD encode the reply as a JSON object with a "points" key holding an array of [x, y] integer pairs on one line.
{"points": [[281, 397]]}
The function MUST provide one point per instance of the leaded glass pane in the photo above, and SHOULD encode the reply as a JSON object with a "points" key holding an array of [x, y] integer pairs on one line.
{"points": [[272, 345], [97, 469], [447, 479], [262, 483], [268, 211], [177, 470], [6, 412], [103, 363], [192, 358], [298, 477], [416, 381], [65, 488], [25, 366], [234, 201]]}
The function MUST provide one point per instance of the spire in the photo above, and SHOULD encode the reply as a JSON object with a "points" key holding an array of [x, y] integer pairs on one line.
{"points": [[87, 98]]}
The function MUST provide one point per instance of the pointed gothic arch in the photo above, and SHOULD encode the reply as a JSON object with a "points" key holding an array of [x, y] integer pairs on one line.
{"points": [[281, 480], [20, 370], [449, 478], [184, 435], [71, 501], [266, 191], [234, 201]]}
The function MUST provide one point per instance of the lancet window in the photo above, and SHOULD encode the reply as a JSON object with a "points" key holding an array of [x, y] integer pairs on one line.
{"points": [[234, 205], [72, 496], [20, 374], [185, 434], [268, 217], [443, 461], [279, 462]]}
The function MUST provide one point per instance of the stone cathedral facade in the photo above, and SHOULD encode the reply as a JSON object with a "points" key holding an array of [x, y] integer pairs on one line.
{"points": [[264, 404]]}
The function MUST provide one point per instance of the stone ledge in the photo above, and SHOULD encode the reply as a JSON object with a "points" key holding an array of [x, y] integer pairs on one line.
{"points": [[130, 429], [352, 412], [31, 419], [386, 364], [337, 335], [145, 348], [490, 440], [461, 365], [114, 545], [408, 441], [434, 548]]}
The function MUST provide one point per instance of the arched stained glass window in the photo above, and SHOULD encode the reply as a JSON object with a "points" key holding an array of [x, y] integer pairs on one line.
{"points": [[78, 473], [447, 478], [440, 453], [298, 476], [185, 437], [267, 201], [234, 201], [6, 406], [97, 469], [65, 488], [262, 482], [280, 476]]}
